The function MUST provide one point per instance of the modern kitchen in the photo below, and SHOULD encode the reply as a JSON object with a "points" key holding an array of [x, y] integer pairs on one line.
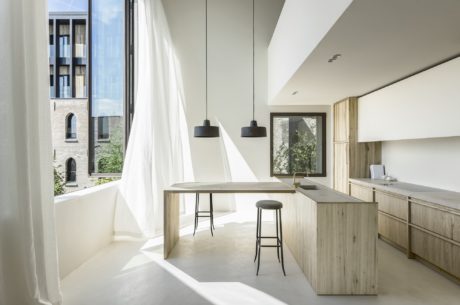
{"points": [[227, 152]]}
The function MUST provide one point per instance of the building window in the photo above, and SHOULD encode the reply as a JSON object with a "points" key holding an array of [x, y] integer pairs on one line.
{"points": [[298, 144], [71, 171], [71, 126], [103, 128]]}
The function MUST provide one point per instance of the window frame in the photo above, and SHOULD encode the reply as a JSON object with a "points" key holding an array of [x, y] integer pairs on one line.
{"points": [[323, 115]]}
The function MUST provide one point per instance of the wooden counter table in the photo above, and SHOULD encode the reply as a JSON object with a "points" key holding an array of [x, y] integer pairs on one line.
{"points": [[171, 201], [332, 236]]}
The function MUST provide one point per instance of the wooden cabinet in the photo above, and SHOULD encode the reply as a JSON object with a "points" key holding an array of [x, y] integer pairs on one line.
{"points": [[351, 159], [362, 192], [335, 244], [432, 249], [392, 204], [424, 230], [456, 228], [434, 220], [393, 230]]}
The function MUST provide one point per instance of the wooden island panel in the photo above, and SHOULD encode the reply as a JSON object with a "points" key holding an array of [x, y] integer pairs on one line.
{"points": [[334, 244]]}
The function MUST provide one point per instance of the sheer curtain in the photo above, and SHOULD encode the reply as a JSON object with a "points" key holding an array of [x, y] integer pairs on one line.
{"points": [[28, 255], [158, 140]]}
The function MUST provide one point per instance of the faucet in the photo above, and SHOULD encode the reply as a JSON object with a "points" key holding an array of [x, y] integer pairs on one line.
{"points": [[297, 184]]}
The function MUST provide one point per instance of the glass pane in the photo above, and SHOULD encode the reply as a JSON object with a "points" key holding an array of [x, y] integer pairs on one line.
{"points": [[67, 5], [297, 144], [107, 51]]}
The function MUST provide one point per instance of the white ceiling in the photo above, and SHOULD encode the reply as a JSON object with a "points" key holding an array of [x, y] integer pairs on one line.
{"points": [[379, 41]]}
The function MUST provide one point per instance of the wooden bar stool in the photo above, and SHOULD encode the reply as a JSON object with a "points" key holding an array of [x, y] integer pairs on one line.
{"points": [[269, 205], [209, 213]]}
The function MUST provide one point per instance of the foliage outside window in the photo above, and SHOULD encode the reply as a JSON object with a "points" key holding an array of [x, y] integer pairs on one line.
{"points": [[298, 144]]}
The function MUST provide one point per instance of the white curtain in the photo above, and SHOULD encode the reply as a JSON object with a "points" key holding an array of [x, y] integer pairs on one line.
{"points": [[158, 140], [28, 255]]}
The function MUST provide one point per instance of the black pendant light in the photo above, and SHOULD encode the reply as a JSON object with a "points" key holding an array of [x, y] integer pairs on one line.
{"points": [[206, 130], [253, 131]]}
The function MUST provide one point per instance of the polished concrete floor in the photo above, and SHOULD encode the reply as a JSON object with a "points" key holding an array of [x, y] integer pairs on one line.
{"points": [[220, 270]]}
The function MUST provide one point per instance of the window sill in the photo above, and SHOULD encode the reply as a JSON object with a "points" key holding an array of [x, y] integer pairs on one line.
{"points": [[71, 184], [71, 140], [103, 140]]}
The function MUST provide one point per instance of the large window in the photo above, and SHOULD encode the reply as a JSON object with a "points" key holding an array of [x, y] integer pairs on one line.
{"points": [[298, 144], [91, 81]]}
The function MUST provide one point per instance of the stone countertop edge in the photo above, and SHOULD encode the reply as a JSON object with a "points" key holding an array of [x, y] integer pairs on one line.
{"points": [[324, 194], [444, 198]]}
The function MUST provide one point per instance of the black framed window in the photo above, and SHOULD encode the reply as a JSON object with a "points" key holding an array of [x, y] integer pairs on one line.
{"points": [[71, 171], [298, 144], [71, 126]]}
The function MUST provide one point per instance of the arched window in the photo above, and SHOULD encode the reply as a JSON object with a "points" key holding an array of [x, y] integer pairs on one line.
{"points": [[71, 170], [71, 126]]}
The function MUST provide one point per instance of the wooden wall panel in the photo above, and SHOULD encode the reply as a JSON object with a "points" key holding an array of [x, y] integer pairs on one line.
{"points": [[347, 255], [341, 120], [341, 168], [361, 156]]}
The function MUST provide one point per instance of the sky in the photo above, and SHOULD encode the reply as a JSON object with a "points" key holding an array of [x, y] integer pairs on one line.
{"points": [[68, 5]]}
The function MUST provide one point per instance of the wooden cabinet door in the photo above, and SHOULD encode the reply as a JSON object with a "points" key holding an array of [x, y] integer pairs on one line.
{"points": [[433, 249], [341, 167], [392, 204], [393, 230], [456, 228], [434, 220], [362, 192]]}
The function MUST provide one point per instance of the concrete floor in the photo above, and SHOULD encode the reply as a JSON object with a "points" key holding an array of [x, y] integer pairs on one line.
{"points": [[220, 270]]}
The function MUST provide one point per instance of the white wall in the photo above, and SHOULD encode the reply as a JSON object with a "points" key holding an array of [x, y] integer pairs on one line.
{"points": [[426, 105], [84, 224], [430, 162], [229, 157], [301, 26]]}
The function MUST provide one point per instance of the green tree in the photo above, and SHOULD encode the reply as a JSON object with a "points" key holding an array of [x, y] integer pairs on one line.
{"points": [[58, 183], [111, 154], [299, 157]]}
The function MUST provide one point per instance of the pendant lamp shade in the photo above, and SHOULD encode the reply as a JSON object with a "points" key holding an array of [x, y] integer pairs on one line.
{"points": [[206, 130], [253, 131]]}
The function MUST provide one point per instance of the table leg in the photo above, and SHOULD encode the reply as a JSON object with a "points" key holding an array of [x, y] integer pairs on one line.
{"points": [[170, 222]]}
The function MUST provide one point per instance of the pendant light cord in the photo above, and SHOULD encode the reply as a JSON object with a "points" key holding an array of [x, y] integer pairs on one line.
{"points": [[253, 60], [206, 55]]}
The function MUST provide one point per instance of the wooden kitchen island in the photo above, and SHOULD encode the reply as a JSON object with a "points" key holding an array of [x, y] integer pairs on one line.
{"points": [[332, 236]]}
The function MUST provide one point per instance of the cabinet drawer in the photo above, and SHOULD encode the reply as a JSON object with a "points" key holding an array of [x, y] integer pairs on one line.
{"points": [[392, 204], [432, 219], [393, 230], [456, 228], [433, 249], [362, 192], [456, 261]]}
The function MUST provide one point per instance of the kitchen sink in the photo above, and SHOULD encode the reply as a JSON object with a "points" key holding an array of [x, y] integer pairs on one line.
{"points": [[309, 187]]}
